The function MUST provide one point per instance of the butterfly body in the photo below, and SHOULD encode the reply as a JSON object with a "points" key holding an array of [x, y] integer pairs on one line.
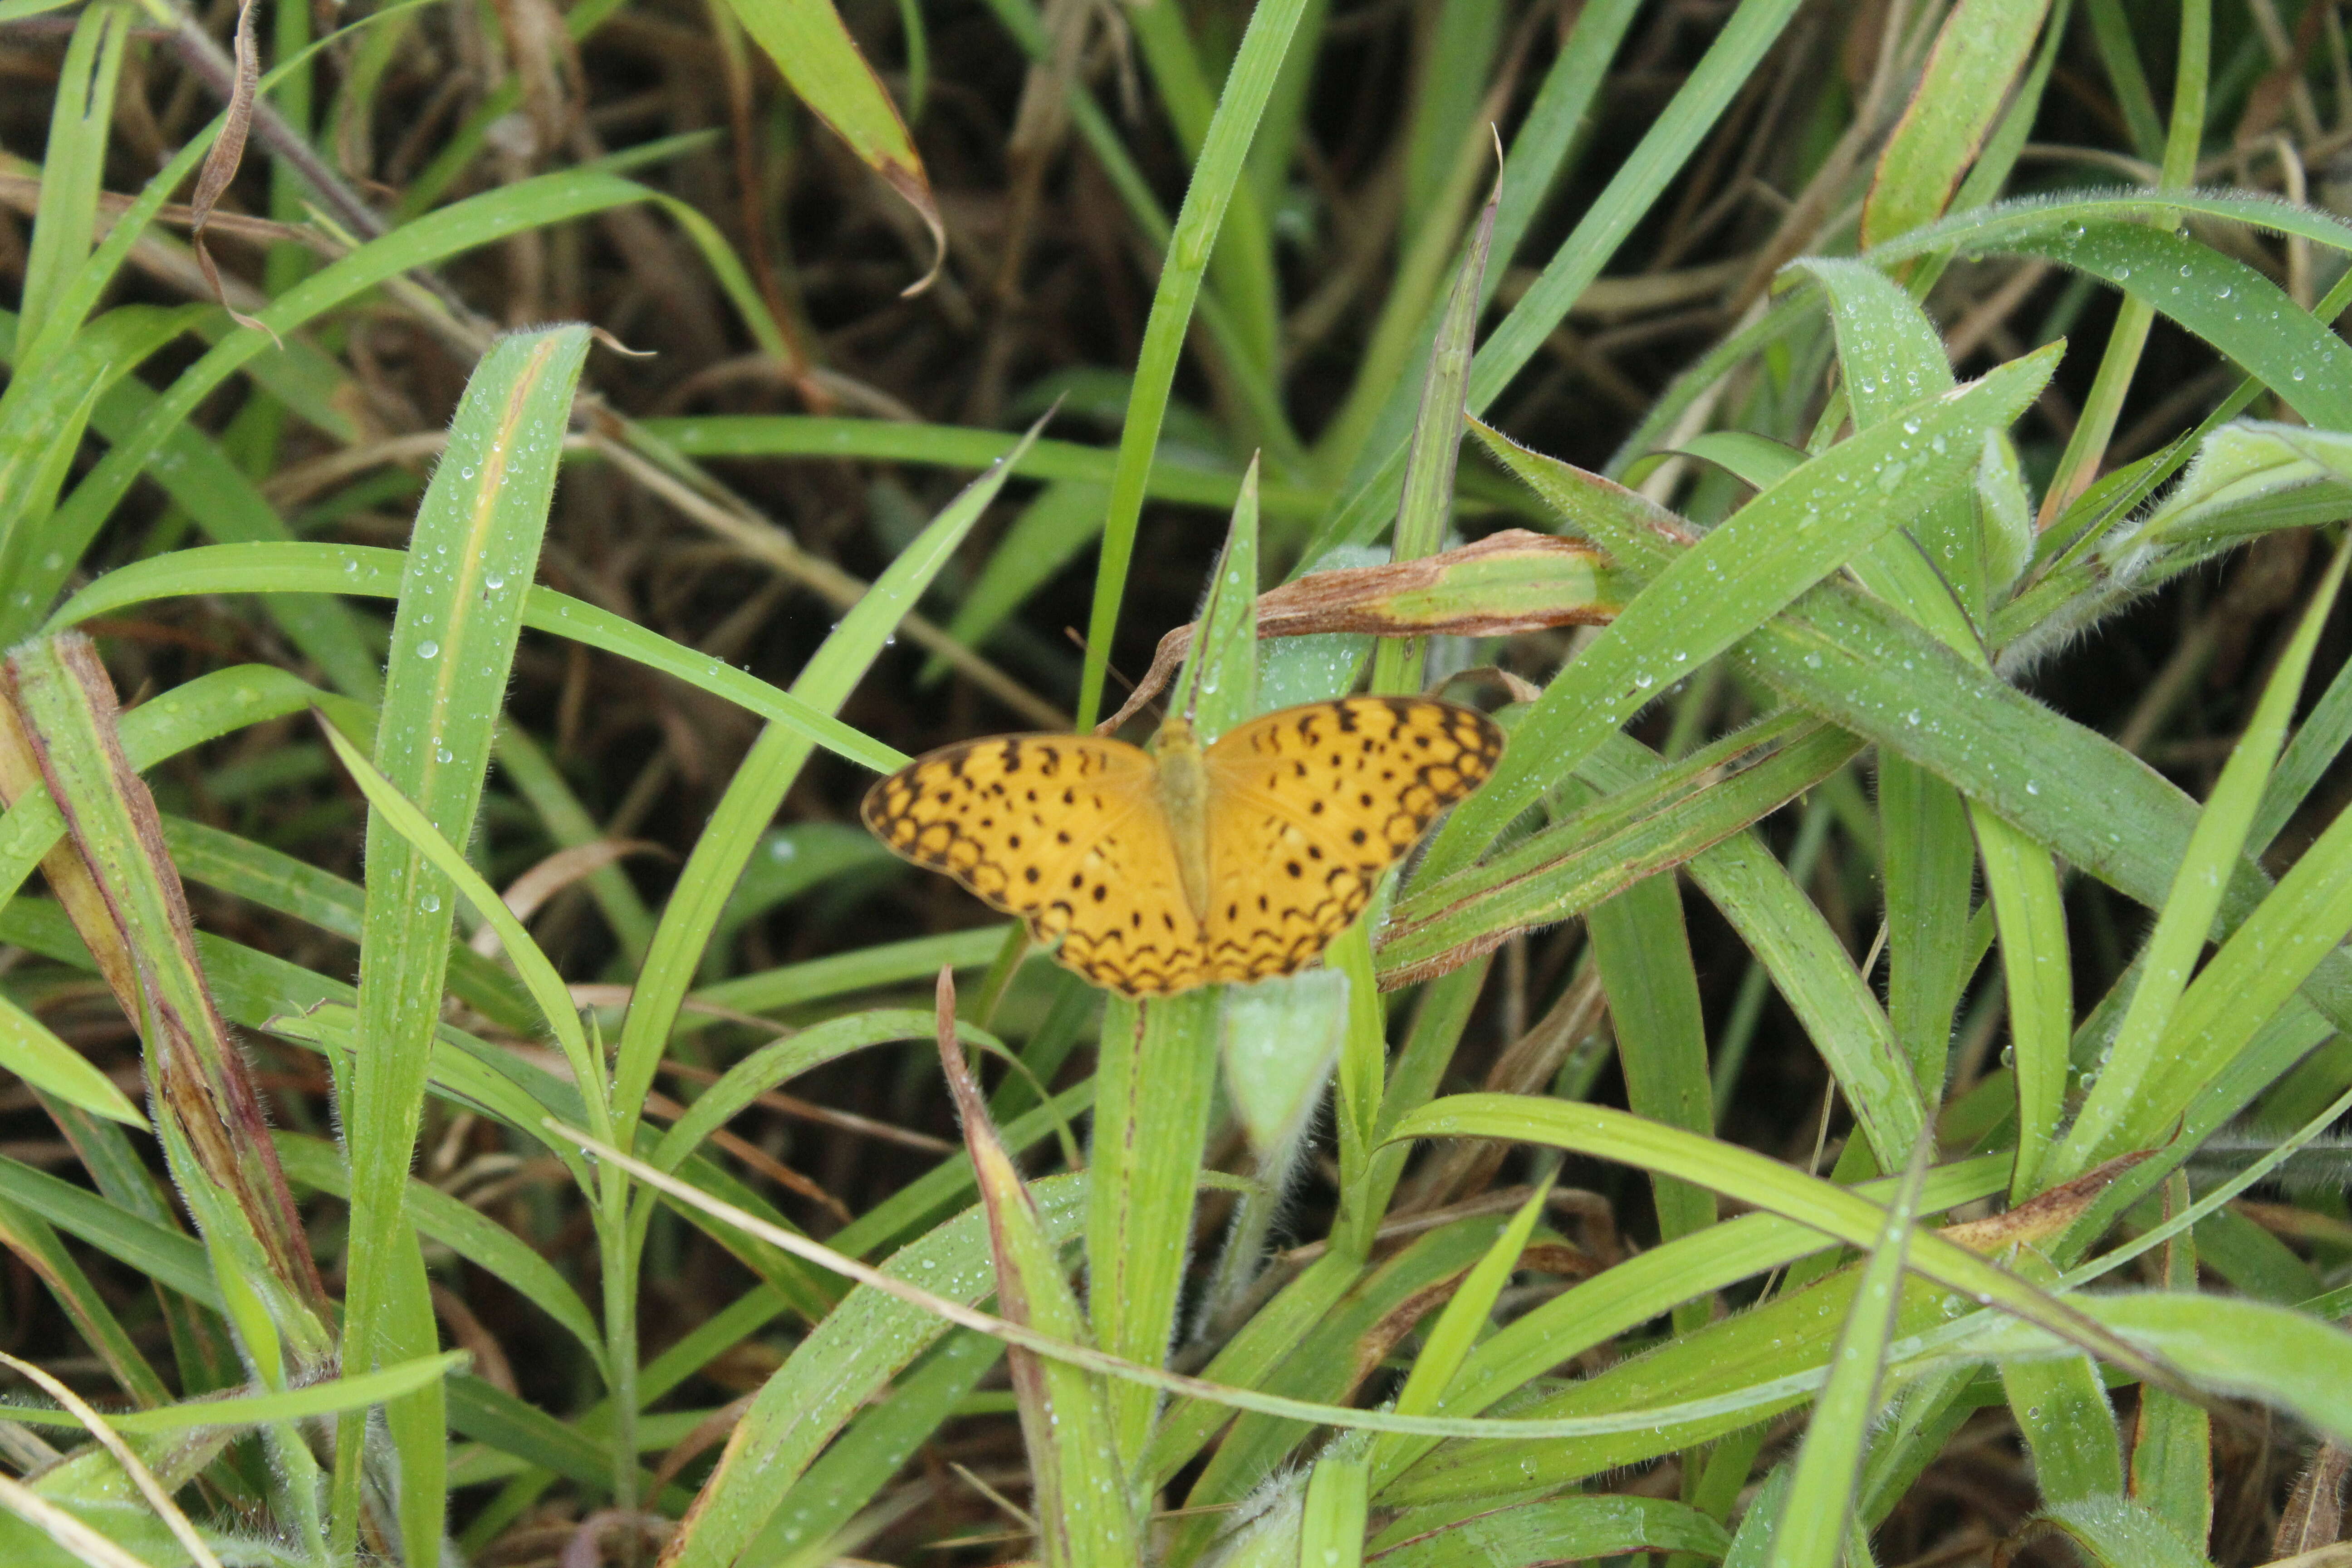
{"points": [[1232, 862]]}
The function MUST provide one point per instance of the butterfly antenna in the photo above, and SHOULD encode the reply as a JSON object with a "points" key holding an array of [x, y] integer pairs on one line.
{"points": [[1078, 640]]}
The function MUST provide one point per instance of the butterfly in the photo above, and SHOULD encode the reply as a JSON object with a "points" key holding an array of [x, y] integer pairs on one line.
{"points": [[1159, 871]]}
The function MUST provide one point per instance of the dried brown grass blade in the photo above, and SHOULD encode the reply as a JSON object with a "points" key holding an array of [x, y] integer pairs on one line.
{"points": [[222, 162]]}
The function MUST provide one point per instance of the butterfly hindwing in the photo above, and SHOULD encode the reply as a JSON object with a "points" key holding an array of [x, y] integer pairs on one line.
{"points": [[1310, 806]]}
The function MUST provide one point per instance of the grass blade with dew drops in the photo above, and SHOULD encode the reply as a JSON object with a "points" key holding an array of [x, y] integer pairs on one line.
{"points": [[475, 547]]}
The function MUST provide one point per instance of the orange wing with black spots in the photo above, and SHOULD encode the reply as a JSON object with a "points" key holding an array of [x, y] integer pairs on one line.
{"points": [[1311, 805], [1066, 831], [1305, 809]]}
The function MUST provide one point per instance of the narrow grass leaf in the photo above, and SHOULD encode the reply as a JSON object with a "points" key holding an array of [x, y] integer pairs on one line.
{"points": [[2172, 1439], [1818, 1515], [1979, 50], [1568, 1529], [464, 1229], [475, 545], [1331, 1524], [2138, 1053], [1155, 1081], [540, 976], [324, 1397], [136, 918], [1216, 172], [1084, 1509], [1724, 70], [73, 160], [475, 222], [1600, 1131], [848, 1357], [2112, 1531], [297, 567], [33, 1054], [1436, 446], [773, 763], [2022, 886], [2229, 304], [1463, 1323], [2062, 1411]]}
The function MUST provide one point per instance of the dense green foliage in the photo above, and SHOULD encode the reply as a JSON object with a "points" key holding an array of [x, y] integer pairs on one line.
{"points": [[1824, 1067]]}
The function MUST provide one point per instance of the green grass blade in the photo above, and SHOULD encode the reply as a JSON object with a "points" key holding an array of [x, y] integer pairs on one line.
{"points": [[1617, 1135], [1641, 949], [1780, 544], [2187, 917], [29, 1050], [1154, 1084], [2061, 1407], [858, 1348], [324, 1397], [1180, 478], [1981, 50], [749, 804], [2229, 304], [464, 1229], [1331, 1526], [302, 568], [1635, 188], [73, 161], [1084, 1509], [2118, 1532], [1216, 172], [476, 545], [401, 816], [1817, 1517], [1435, 450], [2022, 886], [477, 221], [1458, 1327], [815, 53]]}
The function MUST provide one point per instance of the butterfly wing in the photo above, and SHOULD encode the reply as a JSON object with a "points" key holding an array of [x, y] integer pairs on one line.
{"points": [[1064, 831], [1309, 806]]}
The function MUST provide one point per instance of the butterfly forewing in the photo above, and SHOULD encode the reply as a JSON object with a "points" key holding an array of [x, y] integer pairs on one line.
{"points": [[1064, 831], [1308, 806]]}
